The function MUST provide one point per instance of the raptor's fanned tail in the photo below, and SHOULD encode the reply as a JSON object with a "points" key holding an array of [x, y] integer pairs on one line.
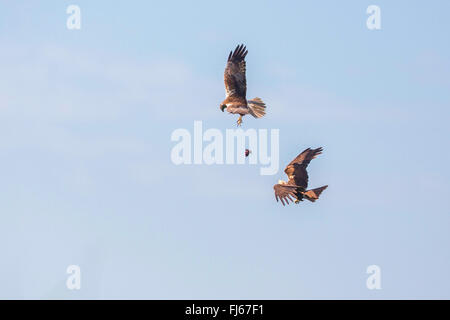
{"points": [[257, 107], [313, 194]]}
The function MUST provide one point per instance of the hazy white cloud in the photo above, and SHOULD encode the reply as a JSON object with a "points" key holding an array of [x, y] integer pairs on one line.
{"points": [[56, 83]]}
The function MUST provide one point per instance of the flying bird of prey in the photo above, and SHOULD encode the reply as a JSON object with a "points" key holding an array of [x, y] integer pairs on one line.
{"points": [[295, 187], [236, 88]]}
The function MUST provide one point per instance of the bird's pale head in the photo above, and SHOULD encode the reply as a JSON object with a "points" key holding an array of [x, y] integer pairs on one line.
{"points": [[281, 182], [223, 107]]}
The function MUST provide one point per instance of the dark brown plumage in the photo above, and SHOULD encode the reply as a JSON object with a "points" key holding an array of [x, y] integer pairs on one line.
{"points": [[234, 76], [236, 87], [295, 188]]}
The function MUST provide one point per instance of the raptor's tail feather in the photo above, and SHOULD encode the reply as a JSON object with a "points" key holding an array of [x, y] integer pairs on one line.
{"points": [[257, 107], [313, 194]]}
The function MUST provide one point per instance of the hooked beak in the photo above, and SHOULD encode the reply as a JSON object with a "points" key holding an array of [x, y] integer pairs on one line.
{"points": [[223, 107]]}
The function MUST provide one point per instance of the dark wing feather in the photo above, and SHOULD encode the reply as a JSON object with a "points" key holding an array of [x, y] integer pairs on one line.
{"points": [[296, 169], [234, 76], [284, 192], [298, 175], [306, 156]]}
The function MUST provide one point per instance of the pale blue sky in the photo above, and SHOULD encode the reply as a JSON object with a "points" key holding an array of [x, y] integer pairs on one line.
{"points": [[86, 176]]}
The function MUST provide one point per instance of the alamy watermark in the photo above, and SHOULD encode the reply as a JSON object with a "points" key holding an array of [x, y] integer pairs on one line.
{"points": [[374, 280], [211, 147], [73, 282], [74, 20], [373, 22]]}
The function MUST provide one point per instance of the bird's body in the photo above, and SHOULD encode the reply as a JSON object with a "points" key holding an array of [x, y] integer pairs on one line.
{"points": [[236, 88], [236, 105], [296, 186]]}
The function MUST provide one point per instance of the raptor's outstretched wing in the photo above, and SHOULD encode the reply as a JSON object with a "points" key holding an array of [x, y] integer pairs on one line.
{"points": [[306, 156], [284, 192], [234, 76], [296, 169]]}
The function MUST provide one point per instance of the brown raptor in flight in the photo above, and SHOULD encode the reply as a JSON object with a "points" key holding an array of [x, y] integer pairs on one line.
{"points": [[236, 88], [295, 187]]}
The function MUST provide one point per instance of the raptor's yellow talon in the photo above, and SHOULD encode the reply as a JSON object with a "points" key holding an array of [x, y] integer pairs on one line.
{"points": [[239, 122]]}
